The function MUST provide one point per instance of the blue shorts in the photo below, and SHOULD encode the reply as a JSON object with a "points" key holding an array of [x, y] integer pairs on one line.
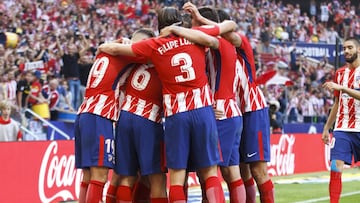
{"points": [[344, 146], [191, 137], [139, 146], [94, 141], [255, 138], [229, 131]]}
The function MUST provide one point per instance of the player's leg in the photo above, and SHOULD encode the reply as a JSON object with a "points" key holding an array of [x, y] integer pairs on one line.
{"points": [[177, 179], [111, 192], [206, 156], [249, 183], [84, 185], [341, 153], [335, 184], [125, 188], [264, 183], [149, 145], [213, 188], [158, 187], [99, 176], [94, 136], [177, 136], [127, 165], [141, 190], [79, 160], [255, 150], [229, 136]]}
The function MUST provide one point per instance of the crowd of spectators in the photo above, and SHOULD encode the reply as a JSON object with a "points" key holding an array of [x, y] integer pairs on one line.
{"points": [[58, 39]]}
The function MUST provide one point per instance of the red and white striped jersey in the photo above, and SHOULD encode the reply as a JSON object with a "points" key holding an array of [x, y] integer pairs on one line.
{"points": [[224, 78], [102, 88], [348, 115], [251, 98], [143, 95], [11, 90], [181, 68]]}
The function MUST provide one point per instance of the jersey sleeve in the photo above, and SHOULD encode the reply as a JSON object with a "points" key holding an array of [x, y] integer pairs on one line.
{"points": [[143, 48], [212, 30]]}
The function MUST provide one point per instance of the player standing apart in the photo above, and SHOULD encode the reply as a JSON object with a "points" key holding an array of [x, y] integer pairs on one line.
{"points": [[345, 113]]}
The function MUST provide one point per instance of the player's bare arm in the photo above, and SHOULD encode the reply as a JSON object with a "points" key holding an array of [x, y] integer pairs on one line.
{"points": [[224, 27], [330, 122], [115, 49], [194, 36], [351, 92]]}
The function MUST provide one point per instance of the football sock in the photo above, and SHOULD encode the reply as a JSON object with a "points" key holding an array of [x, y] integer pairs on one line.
{"points": [[111, 194], [335, 186], [123, 194], [159, 200], [83, 191], [266, 191], [214, 191], [176, 194], [250, 191], [237, 191], [94, 192]]}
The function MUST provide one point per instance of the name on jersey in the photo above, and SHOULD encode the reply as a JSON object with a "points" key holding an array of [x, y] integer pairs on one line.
{"points": [[173, 44]]}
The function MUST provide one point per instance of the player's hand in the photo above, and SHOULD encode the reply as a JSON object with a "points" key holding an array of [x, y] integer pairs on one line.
{"points": [[218, 114], [332, 86], [107, 48], [166, 31], [326, 137], [191, 8]]}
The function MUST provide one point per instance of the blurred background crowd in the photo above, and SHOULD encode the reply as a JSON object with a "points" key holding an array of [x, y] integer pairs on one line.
{"points": [[47, 48]]}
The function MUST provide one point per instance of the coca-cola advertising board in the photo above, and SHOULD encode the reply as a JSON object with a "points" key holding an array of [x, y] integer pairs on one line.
{"points": [[44, 171]]}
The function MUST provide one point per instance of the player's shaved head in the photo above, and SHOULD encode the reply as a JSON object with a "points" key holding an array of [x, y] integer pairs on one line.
{"points": [[141, 34], [209, 13], [354, 40], [168, 16]]}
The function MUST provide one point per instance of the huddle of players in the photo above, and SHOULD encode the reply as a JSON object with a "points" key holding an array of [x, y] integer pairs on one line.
{"points": [[203, 85]]}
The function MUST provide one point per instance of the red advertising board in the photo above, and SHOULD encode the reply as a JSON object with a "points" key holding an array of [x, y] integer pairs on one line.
{"points": [[44, 171]]}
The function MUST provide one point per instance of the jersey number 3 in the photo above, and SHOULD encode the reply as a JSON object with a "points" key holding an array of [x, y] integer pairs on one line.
{"points": [[185, 68]]}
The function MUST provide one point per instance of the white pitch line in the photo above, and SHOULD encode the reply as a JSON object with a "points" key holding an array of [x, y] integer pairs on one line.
{"points": [[327, 198]]}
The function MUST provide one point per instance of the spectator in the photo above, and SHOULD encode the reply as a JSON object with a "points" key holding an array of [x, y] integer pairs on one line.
{"points": [[276, 117], [23, 90], [70, 69], [65, 96], [10, 130], [50, 93]]}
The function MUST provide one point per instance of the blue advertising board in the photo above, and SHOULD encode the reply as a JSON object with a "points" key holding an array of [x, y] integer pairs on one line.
{"points": [[317, 50]]}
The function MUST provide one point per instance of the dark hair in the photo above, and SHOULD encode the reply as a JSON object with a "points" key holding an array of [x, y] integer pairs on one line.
{"points": [[223, 15], [146, 31], [209, 13], [168, 16], [353, 39], [186, 20]]}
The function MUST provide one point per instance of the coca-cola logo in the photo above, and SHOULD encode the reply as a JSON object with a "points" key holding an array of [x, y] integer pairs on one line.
{"points": [[58, 178], [282, 156]]}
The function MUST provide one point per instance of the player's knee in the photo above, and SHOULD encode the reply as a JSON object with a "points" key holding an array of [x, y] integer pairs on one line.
{"points": [[334, 167]]}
